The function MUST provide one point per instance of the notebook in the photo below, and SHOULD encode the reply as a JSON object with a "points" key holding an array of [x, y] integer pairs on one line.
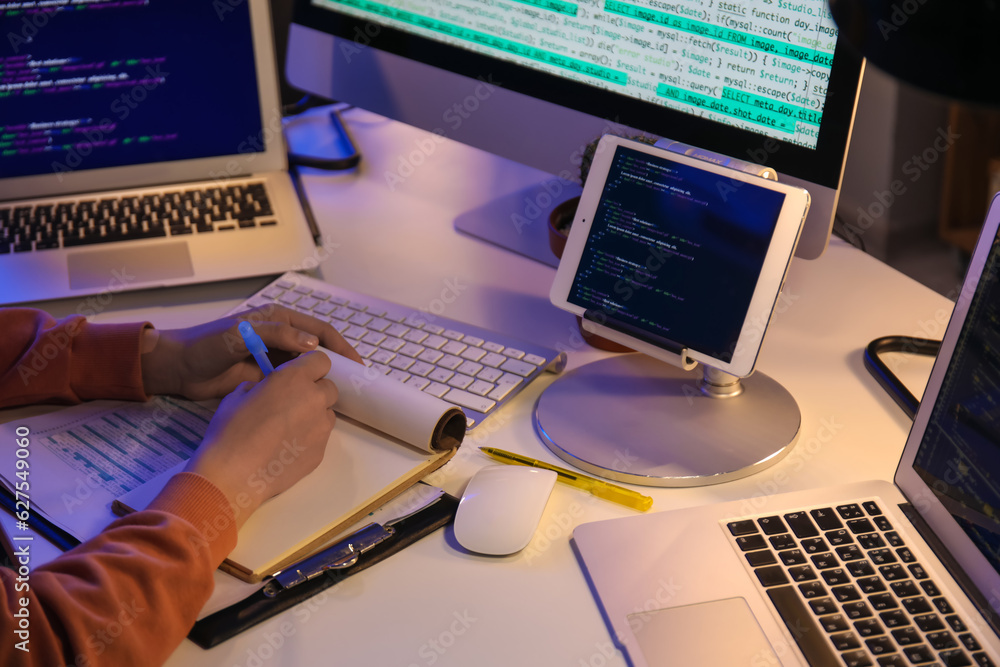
{"points": [[141, 146], [874, 573]]}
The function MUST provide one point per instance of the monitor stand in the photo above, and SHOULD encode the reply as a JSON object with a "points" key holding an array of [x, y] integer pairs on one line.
{"points": [[636, 419]]}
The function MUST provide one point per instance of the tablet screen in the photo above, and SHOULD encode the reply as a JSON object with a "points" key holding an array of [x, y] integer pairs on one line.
{"points": [[676, 251]]}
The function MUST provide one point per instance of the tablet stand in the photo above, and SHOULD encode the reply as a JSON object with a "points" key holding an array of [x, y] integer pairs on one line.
{"points": [[636, 419]]}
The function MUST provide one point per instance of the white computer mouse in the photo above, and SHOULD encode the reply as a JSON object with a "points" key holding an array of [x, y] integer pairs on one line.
{"points": [[501, 508]]}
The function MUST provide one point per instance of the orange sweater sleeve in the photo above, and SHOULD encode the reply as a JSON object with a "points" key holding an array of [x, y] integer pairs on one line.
{"points": [[43, 360], [130, 595]]}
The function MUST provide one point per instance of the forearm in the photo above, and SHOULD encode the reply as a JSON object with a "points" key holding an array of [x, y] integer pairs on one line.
{"points": [[128, 596], [43, 360]]}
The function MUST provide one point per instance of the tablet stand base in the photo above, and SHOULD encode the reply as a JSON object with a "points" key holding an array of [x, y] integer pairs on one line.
{"points": [[635, 419]]}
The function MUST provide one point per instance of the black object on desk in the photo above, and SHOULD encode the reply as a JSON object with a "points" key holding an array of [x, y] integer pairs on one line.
{"points": [[265, 603], [38, 523], [890, 382]]}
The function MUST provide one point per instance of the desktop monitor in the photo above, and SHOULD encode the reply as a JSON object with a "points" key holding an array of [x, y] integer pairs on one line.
{"points": [[535, 81]]}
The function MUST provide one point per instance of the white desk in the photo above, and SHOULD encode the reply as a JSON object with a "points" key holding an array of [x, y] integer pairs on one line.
{"points": [[436, 605]]}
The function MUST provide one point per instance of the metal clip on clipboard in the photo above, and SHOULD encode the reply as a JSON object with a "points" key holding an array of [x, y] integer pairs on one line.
{"points": [[341, 555]]}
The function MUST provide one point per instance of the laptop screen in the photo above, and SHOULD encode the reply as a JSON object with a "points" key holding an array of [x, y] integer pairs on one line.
{"points": [[959, 454], [100, 84]]}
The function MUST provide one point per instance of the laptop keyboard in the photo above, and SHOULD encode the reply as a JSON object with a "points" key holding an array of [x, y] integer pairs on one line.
{"points": [[476, 369], [66, 223], [851, 592]]}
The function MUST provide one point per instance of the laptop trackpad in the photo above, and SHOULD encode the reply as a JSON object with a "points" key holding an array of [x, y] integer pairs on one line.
{"points": [[119, 268], [709, 634]]}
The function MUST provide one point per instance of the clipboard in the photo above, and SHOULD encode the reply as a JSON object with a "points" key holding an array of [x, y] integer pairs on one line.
{"points": [[271, 600]]}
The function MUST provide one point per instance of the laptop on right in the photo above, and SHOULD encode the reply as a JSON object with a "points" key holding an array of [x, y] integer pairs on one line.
{"points": [[870, 574]]}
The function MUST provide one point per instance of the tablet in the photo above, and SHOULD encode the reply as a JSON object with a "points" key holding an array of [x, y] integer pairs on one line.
{"points": [[676, 257]]}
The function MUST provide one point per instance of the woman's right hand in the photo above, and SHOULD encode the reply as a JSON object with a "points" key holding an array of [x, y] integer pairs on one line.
{"points": [[268, 435]]}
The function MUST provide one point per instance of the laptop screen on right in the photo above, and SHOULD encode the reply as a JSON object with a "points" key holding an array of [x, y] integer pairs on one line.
{"points": [[959, 454]]}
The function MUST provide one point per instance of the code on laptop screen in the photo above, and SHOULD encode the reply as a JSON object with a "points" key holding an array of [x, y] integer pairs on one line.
{"points": [[100, 83], [959, 456]]}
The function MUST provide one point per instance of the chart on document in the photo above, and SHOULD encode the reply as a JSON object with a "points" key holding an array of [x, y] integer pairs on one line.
{"points": [[127, 445]]}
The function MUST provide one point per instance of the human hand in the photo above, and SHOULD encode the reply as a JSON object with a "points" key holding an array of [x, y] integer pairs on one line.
{"points": [[264, 437], [210, 360]]}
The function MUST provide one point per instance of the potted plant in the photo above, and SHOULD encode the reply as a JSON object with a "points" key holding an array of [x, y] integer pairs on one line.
{"points": [[560, 221]]}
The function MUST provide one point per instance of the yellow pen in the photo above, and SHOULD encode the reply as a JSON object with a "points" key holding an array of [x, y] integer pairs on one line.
{"points": [[597, 487]]}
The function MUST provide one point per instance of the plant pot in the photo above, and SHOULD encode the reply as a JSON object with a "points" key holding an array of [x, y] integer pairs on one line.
{"points": [[560, 219]]}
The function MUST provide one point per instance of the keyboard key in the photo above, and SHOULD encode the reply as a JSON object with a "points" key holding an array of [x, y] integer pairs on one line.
{"points": [[801, 525], [838, 537], [868, 627], [513, 353], [492, 347], [826, 519], [396, 374], [430, 356], [871, 585], [481, 388], [418, 382], [792, 557], [470, 368], [918, 654], [471, 401], [845, 641], [460, 381], [858, 526], [421, 369], [392, 344], [401, 363], [833, 623], [823, 606], [846, 593], [954, 622], [906, 636], [473, 341], [414, 336], [871, 507], [760, 558], [856, 610], [434, 342], [490, 374], [453, 347], [441, 375], [894, 619], [518, 367], [501, 391], [534, 359], [835, 577], [880, 645], [882, 602], [852, 511], [772, 525], [751, 543], [809, 590], [940, 641], [450, 361], [492, 359], [856, 659], [783, 542], [773, 575], [917, 605], [437, 389], [860, 568], [928, 622], [807, 634]]}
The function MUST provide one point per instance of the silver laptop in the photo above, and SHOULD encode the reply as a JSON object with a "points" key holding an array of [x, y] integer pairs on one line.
{"points": [[869, 574], [141, 146]]}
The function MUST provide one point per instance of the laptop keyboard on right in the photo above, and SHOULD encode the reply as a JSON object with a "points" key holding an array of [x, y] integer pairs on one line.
{"points": [[851, 592]]}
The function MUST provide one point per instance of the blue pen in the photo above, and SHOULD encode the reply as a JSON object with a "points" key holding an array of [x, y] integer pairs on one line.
{"points": [[256, 347]]}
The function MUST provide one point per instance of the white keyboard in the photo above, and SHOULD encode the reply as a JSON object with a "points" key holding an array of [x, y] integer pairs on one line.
{"points": [[476, 369]]}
